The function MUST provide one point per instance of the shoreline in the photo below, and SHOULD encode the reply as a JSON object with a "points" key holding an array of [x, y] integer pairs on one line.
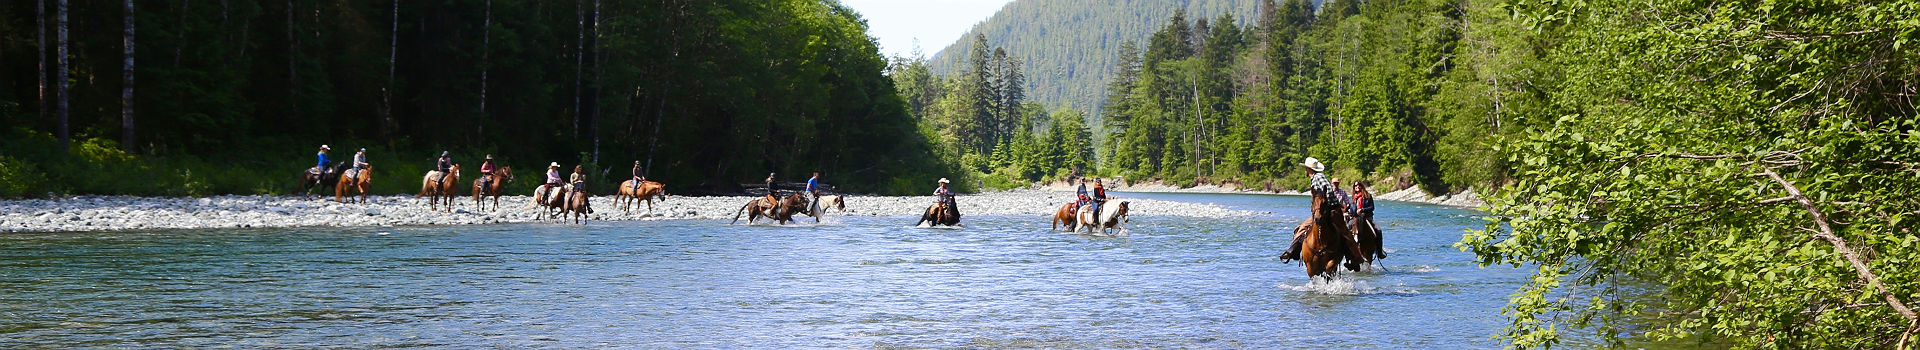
{"points": [[1465, 199], [123, 213]]}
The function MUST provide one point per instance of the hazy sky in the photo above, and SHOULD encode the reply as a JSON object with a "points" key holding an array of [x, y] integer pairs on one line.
{"points": [[896, 23]]}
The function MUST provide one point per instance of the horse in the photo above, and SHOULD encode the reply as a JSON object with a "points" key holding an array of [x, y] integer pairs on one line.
{"points": [[359, 182], [1327, 242], [941, 214], [439, 188], [1110, 216], [577, 203], [326, 177], [818, 207], [631, 194], [1368, 235], [1065, 216], [550, 199], [780, 211], [492, 186]]}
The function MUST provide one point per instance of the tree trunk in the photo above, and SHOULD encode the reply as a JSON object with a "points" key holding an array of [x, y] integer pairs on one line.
{"points": [[594, 102], [387, 124], [293, 70], [486, 45], [126, 87], [60, 76], [40, 27], [579, 61]]}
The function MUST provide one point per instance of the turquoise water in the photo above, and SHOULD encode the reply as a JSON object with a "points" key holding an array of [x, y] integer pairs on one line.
{"points": [[1003, 281]]}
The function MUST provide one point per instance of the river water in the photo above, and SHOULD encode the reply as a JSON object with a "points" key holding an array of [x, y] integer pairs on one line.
{"points": [[1003, 281]]}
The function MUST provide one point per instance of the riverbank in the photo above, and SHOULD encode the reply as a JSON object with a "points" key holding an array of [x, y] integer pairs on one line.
{"points": [[1466, 199], [112, 213]]}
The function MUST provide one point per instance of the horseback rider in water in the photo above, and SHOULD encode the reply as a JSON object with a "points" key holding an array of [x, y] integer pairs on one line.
{"points": [[1321, 188], [638, 176], [941, 195], [1099, 196], [1080, 196], [486, 173], [772, 192], [813, 188], [443, 167], [578, 181]]}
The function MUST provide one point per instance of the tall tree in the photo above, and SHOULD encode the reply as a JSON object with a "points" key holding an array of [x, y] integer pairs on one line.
{"points": [[40, 54], [126, 88], [486, 51], [60, 75]]}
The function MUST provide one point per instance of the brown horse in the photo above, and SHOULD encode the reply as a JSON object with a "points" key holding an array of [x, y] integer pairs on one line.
{"points": [[360, 182], [1327, 241], [439, 188], [779, 211], [578, 204], [1368, 235], [1065, 216], [941, 214], [491, 185], [631, 195]]}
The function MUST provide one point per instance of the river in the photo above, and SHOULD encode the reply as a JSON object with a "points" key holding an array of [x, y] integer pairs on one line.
{"points": [[1003, 281]]}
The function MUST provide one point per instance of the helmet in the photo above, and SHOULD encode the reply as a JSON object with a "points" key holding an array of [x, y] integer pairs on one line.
{"points": [[363, 149], [443, 153]]}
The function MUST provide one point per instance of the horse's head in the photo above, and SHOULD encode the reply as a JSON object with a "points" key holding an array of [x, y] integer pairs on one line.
{"points": [[1120, 211], [840, 202]]}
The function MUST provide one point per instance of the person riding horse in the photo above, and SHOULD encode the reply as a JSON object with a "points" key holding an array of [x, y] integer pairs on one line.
{"points": [[772, 192], [1080, 196], [320, 167], [359, 162], [553, 181], [941, 195], [443, 167], [1099, 195], [813, 188], [1321, 189], [578, 181], [638, 176], [1346, 202], [486, 172]]}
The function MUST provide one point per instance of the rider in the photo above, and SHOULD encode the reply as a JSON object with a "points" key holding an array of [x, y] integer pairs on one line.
{"points": [[1320, 187], [1099, 196], [771, 196], [444, 166], [553, 180], [1080, 195], [320, 167], [359, 162], [813, 187], [486, 173], [1346, 202], [1363, 211], [941, 195], [578, 181]]}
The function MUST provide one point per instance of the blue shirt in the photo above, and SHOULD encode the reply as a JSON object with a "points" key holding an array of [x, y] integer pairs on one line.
{"points": [[323, 160], [813, 184]]}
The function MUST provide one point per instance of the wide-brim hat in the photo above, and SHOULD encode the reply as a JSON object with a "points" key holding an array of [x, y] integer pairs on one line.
{"points": [[636, 162], [554, 165], [943, 180], [325, 147], [489, 157], [1314, 163]]}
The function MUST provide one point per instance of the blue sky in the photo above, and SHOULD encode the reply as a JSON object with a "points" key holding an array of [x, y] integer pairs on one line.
{"points": [[936, 23]]}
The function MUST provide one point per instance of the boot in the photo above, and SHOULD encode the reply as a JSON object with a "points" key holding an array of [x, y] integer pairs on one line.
{"points": [[1293, 252]]}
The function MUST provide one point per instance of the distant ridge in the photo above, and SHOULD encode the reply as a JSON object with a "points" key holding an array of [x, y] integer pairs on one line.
{"points": [[1069, 46]]}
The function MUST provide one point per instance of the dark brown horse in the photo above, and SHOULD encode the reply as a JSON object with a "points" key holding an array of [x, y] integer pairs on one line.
{"points": [[779, 211], [631, 195], [578, 204], [1368, 235], [439, 188], [491, 185], [1065, 216], [360, 182], [1327, 241], [942, 213], [326, 178]]}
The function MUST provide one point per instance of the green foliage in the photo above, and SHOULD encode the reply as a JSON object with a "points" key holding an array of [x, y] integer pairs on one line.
{"points": [[1663, 149], [705, 92]]}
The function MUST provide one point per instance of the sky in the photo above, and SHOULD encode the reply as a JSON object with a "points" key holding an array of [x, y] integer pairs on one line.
{"points": [[896, 23]]}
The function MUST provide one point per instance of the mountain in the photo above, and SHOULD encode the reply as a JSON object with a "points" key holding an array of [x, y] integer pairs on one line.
{"points": [[1070, 46]]}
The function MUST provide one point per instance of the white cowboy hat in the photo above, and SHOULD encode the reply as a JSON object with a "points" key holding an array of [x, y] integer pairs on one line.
{"points": [[554, 165], [325, 147], [1314, 163], [943, 180]]}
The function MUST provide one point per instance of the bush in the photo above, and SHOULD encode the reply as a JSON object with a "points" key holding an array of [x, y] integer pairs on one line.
{"points": [[19, 179]]}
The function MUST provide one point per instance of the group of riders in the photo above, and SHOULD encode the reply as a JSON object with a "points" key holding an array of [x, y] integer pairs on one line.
{"points": [[1358, 239]]}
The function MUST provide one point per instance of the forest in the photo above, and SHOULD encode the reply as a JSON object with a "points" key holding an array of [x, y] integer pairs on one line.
{"points": [[1740, 173], [212, 97]]}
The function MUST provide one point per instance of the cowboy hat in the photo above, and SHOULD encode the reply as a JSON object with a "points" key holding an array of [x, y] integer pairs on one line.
{"points": [[489, 157], [554, 165], [636, 162], [943, 180], [325, 147], [1314, 163]]}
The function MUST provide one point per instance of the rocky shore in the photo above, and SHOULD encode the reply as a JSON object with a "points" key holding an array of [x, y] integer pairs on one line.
{"points": [[108, 213], [1468, 198]]}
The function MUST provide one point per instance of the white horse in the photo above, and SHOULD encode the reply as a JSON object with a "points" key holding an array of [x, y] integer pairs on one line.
{"points": [[1111, 215], [818, 207]]}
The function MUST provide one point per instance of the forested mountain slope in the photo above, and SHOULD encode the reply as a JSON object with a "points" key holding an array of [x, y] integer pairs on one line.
{"points": [[1070, 46]]}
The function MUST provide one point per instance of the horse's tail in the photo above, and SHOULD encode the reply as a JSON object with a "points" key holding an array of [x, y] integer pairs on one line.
{"points": [[743, 210]]}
